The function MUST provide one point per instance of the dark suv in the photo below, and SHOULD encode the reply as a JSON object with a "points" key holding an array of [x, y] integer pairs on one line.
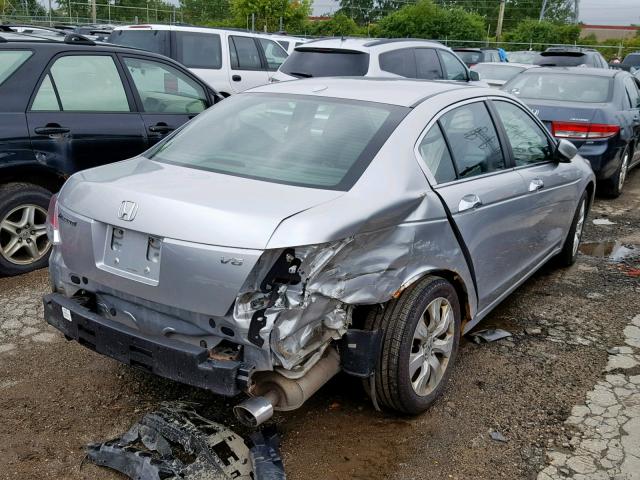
{"points": [[571, 57], [71, 104], [471, 56]]}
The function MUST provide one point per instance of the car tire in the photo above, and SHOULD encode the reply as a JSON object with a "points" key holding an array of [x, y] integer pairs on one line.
{"points": [[569, 253], [408, 334], [17, 201], [614, 185]]}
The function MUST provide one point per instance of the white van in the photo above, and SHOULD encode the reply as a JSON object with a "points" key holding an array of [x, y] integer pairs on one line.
{"points": [[287, 42], [229, 60]]}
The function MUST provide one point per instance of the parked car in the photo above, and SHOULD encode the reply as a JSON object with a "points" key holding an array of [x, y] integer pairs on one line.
{"points": [[70, 105], [496, 74], [631, 62], [364, 57], [571, 57], [273, 261], [230, 61], [471, 56], [287, 42], [523, 56], [596, 109]]}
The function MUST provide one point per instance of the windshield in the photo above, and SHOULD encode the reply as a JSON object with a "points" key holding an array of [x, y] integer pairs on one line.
{"points": [[569, 59], [469, 57], [561, 86], [632, 60], [156, 41], [10, 61], [523, 57], [497, 72], [323, 62], [293, 139]]}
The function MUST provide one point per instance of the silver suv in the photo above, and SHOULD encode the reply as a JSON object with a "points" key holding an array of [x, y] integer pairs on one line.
{"points": [[308, 227]]}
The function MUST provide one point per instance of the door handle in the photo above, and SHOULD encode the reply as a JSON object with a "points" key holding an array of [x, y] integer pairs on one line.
{"points": [[236, 78], [160, 128], [51, 129], [469, 202], [536, 184]]}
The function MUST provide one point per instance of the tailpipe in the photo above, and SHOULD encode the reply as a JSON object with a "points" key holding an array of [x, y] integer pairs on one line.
{"points": [[273, 391]]}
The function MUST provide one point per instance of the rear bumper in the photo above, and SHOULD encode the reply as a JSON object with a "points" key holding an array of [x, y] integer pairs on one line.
{"points": [[605, 158], [164, 357]]}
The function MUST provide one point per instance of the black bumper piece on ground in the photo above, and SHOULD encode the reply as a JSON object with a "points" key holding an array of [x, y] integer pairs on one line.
{"points": [[162, 356]]}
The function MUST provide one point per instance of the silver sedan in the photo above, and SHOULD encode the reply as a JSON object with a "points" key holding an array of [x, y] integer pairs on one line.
{"points": [[304, 228]]}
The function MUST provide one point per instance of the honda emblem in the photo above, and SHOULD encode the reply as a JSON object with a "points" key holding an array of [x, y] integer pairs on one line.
{"points": [[127, 211]]}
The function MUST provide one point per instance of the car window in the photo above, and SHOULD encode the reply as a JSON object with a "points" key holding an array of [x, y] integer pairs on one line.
{"points": [[566, 87], [632, 91], [504, 71], [454, 68], [156, 41], [309, 62], [436, 157], [401, 62], [10, 61], [469, 56], [567, 59], [84, 83], [165, 89], [529, 143], [46, 98], [293, 139], [473, 140], [427, 64], [274, 54], [244, 53], [199, 50], [284, 44]]}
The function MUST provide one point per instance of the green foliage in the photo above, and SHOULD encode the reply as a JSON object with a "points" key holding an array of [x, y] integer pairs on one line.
{"points": [[204, 12], [426, 20], [268, 13], [548, 33], [339, 25]]}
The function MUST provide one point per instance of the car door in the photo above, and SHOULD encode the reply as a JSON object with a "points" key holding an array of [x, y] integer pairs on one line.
{"points": [[201, 53], [246, 63], [83, 115], [166, 96], [631, 87], [551, 185], [486, 200], [454, 69], [273, 55], [427, 64]]}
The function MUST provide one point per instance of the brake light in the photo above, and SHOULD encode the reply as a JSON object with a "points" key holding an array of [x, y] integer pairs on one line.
{"points": [[53, 227], [583, 131]]}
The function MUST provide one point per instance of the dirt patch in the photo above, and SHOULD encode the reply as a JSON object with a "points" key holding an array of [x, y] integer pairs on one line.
{"points": [[55, 397]]}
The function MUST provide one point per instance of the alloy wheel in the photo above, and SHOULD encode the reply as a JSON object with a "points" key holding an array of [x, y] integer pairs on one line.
{"points": [[432, 346], [23, 235], [579, 226]]}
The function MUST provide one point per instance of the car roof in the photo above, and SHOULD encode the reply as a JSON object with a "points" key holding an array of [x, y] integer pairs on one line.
{"points": [[507, 64], [472, 49], [395, 91], [367, 44], [600, 72], [189, 28]]}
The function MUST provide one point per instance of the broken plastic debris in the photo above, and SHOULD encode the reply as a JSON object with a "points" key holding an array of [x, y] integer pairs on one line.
{"points": [[265, 456], [603, 221], [489, 335], [497, 436]]}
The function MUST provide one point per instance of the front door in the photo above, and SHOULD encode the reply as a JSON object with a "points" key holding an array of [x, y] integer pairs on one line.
{"points": [[82, 116], [166, 97], [246, 70]]}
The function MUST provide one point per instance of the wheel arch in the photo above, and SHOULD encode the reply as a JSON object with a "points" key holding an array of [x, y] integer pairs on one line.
{"points": [[35, 174]]}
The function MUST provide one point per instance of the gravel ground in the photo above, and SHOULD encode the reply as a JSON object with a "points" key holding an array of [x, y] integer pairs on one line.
{"points": [[565, 400]]}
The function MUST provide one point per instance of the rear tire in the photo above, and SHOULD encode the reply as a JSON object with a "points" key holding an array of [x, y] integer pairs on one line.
{"points": [[23, 243], [569, 253], [613, 186], [421, 333]]}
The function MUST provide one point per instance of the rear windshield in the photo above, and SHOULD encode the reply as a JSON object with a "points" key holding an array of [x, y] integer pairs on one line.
{"points": [[469, 56], [523, 57], [561, 86], [497, 72], [10, 61], [293, 139], [156, 41], [324, 62], [631, 60], [569, 59]]}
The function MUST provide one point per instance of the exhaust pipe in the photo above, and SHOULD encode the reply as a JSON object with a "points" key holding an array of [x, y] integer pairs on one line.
{"points": [[275, 392]]}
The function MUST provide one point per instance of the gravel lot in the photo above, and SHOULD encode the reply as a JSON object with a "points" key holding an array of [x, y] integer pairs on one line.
{"points": [[564, 391]]}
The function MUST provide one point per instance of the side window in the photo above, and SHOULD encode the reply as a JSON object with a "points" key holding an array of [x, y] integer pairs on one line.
{"points": [[164, 89], [528, 142], [84, 83], [199, 50], [284, 44], [244, 53], [401, 62], [454, 69], [632, 91], [46, 99], [274, 54], [473, 140], [10, 61], [427, 64], [435, 155]]}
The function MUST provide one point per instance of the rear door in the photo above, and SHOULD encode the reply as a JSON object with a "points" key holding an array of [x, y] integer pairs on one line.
{"points": [[487, 199], [166, 96], [82, 113], [246, 63], [202, 54]]}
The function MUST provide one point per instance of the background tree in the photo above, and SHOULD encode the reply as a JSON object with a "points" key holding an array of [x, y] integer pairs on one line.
{"points": [[268, 13], [548, 33], [339, 25], [205, 11]]}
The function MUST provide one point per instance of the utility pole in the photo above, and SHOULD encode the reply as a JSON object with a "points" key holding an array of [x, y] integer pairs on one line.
{"points": [[500, 20], [576, 10], [93, 12], [542, 10], [147, 10], [50, 19], [253, 22]]}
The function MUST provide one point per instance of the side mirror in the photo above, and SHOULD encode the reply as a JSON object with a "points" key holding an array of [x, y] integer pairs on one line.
{"points": [[566, 151], [473, 76]]}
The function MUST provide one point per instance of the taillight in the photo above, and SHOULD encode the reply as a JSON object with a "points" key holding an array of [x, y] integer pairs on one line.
{"points": [[53, 228], [583, 131]]}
